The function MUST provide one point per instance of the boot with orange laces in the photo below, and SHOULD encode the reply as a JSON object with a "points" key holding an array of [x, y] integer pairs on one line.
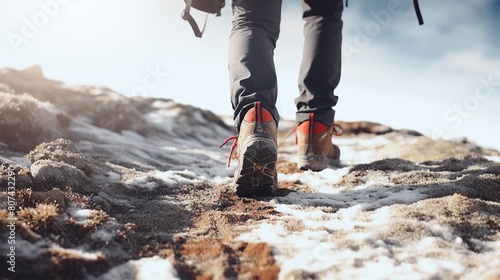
{"points": [[256, 151], [315, 148]]}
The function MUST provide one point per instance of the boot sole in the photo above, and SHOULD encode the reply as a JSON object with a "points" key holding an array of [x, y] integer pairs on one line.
{"points": [[256, 172], [316, 163]]}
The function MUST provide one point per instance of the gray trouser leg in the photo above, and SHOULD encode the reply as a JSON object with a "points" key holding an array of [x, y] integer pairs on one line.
{"points": [[320, 69], [256, 26]]}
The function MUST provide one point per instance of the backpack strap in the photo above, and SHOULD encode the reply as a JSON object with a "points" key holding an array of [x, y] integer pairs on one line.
{"points": [[415, 5], [187, 16], [417, 11]]}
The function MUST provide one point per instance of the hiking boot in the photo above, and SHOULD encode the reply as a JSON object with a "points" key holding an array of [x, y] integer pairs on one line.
{"points": [[315, 148], [256, 150]]}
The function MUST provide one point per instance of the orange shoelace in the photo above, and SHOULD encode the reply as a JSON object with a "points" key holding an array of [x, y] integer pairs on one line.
{"points": [[232, 154]]}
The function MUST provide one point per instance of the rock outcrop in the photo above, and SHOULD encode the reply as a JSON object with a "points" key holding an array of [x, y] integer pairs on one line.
{"points": [[103, 186]]}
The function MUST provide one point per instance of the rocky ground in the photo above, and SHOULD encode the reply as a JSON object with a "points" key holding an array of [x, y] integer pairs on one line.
{"points": [[109, 187]]}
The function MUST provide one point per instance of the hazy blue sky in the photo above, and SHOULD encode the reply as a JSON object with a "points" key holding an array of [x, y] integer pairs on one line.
{"points": [[442, 78]]}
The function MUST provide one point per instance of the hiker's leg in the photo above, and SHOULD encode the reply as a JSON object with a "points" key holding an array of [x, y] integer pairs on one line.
{"points": [[256, 25], [320, 69]]}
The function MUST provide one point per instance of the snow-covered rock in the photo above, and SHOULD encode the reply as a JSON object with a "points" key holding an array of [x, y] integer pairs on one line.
{"points": [[111, 187]]}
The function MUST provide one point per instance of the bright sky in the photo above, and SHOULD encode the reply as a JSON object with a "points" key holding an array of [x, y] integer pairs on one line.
{"points": [[442, 78]]}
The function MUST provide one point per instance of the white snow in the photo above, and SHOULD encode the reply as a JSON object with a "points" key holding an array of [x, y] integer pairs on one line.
{"points": [[324, 228], [318, 181], [153, 268], [331, 245], [80, 214], [144, 182], [76, 252], [83, 213], [334, 245], [177, 178], [171, 179]]}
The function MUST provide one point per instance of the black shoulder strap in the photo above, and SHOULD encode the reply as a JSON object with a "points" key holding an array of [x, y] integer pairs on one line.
{"points": [[417, 11]]}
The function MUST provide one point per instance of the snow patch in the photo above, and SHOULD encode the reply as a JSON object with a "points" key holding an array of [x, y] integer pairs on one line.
{"points": [[78, 253], [169, 179], [153, 268]]}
